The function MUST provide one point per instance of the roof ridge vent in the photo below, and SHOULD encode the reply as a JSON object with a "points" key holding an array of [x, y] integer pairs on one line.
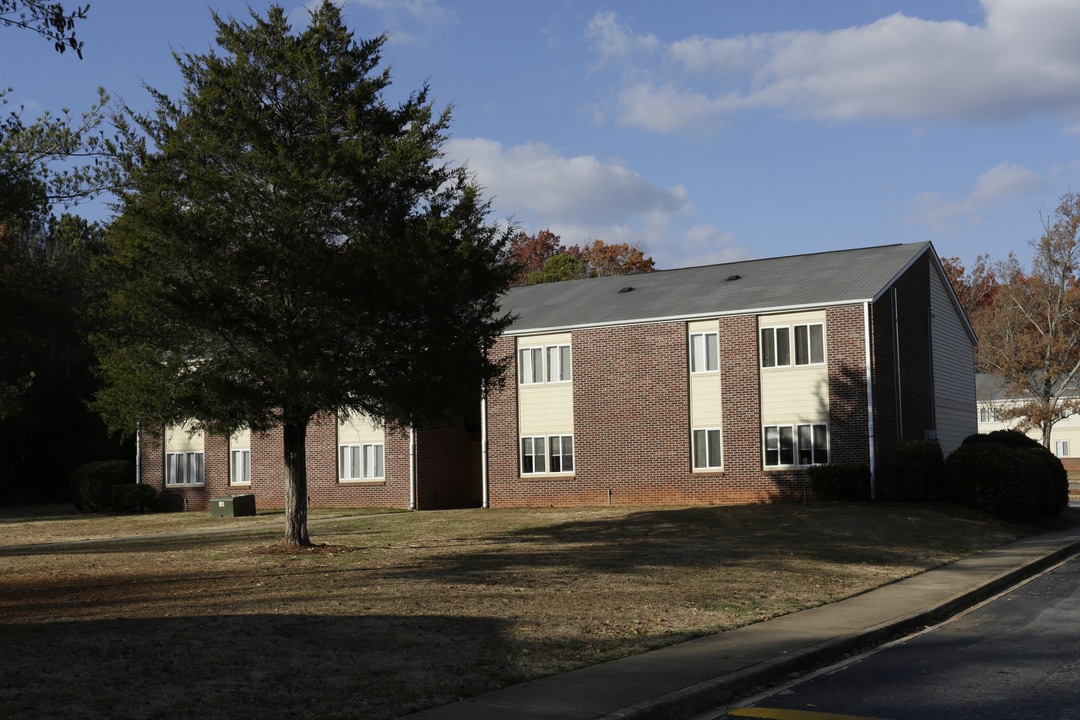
{"points": [[731, 278], [626, 289]]}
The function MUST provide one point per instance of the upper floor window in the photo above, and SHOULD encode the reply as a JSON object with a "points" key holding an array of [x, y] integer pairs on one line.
{"points": [[544, 364], [988, 413], [703, 352], [809, 344]]}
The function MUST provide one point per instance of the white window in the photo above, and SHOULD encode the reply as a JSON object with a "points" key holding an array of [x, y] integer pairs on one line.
{"points": [[531, 365], [775, 347], [809, 344], [361, 462], [373, 461], [707, 448], [240, 467], [988, 413], [703, 352], [808, 443], [1061, 448], [533, 360], [551, 454], [184, 468], [558, 363]]}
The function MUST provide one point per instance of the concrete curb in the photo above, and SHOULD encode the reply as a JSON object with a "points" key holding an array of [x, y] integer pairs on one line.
{"points": [[708, 695]]}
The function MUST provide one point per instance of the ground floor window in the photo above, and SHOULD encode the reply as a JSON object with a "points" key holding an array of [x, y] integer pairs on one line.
{"points": [[184, 468], [361, 462], [551, 454], [707, 448], [240, 467], [809, 443]]}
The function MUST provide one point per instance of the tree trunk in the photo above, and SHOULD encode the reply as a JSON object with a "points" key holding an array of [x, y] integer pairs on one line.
{"points": [[296, 501]]}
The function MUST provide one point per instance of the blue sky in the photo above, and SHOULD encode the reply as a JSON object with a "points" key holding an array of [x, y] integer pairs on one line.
{"points": [[702, 131]]}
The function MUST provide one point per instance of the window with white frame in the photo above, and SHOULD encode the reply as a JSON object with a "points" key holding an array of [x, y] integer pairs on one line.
{"points": [[707, 448], [547, 454], [240, 467], [550, 363], [1061, 448], [361, 462], [184, 468], [988, 413], [703, 352], [809, 345], [806, 444]]}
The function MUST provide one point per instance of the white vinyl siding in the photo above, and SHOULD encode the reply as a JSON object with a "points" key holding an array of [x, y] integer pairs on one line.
{"points": [[954, 362], [546, 407]]}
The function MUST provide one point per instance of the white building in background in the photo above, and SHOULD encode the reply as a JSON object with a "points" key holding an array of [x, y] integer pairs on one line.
{"points": [[991, 399]]}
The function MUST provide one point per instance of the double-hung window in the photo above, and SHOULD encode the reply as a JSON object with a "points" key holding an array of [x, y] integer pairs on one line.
{"points": [[240, 467], [703, 352], [544, 364], [361, 462], [184, 468], [707, 448], [547, 454], [809, 345], [807, 443]]}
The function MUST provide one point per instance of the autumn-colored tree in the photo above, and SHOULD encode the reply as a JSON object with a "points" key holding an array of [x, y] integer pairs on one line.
{"points": [[615, 259], [564, 266], [530, 252], [1030, 333], [976, 289]]}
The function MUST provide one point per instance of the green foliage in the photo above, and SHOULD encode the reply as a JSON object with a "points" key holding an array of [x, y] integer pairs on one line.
{"points": [[914, 474], [563, 266], [841, 481], [134, 498], [1016, 482], [92, 483], [289, 243]]}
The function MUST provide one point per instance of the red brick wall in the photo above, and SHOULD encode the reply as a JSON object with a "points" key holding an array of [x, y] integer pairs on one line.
{"points": [[631, 424], [448, 468], [849, 428]]}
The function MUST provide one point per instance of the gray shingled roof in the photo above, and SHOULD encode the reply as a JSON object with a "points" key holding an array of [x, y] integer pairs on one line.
{"points": [[819, 279]]}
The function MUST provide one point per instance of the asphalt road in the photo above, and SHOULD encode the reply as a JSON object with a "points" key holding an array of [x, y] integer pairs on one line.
{"points": [[1017, 656]]}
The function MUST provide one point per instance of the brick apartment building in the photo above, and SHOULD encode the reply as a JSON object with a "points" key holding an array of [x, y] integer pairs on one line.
{"points": [[705, 385]]}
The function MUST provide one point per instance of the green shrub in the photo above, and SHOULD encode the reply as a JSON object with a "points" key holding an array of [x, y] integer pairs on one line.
{"points": [[92, 483], [1007, 477], [840, 481], [914, 474], [134, 498]]}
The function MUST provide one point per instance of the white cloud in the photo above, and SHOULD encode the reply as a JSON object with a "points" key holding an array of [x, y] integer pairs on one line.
{"points": [[998, 185], [407, 21], [581, 198], [1023, 59]]}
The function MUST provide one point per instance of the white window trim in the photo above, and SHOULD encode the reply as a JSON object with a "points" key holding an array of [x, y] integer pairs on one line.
{"points": [[547, 455], [379, 472], [542, 376], [188, 455], [716, 353], [232, 466], [776, 354], [693, 455], [794, 340], [794, 428], [358, 473]]}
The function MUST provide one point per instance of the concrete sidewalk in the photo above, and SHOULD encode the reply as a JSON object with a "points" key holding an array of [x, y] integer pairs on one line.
{"points": [[683, 680]]}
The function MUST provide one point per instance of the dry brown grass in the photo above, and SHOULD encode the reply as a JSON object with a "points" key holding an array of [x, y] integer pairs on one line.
{"points": [[397, 612]]}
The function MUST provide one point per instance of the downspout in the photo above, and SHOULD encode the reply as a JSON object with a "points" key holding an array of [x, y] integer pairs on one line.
{"points": [[138, 453], [898, 383], [483, 448], [870, 400], [412, 468]]}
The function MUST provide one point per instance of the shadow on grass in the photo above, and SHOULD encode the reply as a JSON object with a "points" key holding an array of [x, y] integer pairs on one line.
{"points": [[250, 666]]}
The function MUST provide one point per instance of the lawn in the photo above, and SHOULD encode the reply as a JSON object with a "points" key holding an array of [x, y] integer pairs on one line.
{"points": [[395, 612]]}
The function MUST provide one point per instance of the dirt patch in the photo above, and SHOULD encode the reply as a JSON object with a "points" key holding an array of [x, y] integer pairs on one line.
{"points": [[389, 614]]}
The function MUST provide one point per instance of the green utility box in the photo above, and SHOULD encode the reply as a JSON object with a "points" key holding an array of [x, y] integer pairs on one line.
{"points": [[235, 506]]}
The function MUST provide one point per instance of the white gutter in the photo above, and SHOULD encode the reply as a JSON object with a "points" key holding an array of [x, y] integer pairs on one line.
{"points": [[138, 453], [483, 448], [412, 468], [870, 400]]}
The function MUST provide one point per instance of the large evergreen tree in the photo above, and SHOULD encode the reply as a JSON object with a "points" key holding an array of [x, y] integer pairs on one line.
{"points": [[290, 243]]}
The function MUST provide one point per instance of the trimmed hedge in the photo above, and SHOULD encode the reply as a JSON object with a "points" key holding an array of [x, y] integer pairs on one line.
{"points": [[840, 481], [92, 483], [134, 498], [1007, 475]]}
